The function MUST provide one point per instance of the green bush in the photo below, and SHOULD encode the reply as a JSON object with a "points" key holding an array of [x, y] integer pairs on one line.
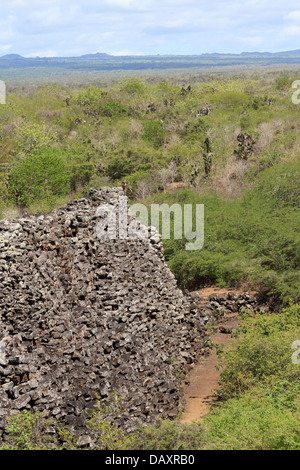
{"points": [[27, 431], [264, 419], [89, 97], [154, 133], [259, 359], [41, 176], [169, 435], [114, 109], [102, 427], [35, 136], [80, 174], [283, 83], [262, 352], [281, 184], [118, 168], [134, 86]]}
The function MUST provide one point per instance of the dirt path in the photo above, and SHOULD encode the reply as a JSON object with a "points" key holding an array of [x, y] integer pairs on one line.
{"points": [[204, 377]]}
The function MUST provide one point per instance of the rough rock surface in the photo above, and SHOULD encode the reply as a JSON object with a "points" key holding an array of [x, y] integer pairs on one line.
{"points": [[82, 316]]}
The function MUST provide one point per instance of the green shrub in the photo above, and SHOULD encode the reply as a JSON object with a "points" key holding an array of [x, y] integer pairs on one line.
{"points": [[154, 133], [27, 431], [259, 359], [264, 419], [283, 83], [35, 136], [169, 435], [103, 428], [89, 97], [41, 176], [80, 174], [195, 131], [114, 109], [262, 352], [281, 184], [118, 168], [134, 86]]}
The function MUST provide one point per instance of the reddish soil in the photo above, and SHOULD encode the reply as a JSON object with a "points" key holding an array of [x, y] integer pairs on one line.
{"points": [[204, 377]]}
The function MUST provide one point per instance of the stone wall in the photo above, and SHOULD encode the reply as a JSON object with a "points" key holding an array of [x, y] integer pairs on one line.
{"points": [[82, 316]]}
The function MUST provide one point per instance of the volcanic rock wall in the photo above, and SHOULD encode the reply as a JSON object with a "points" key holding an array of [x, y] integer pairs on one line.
{"points": [[82, 315]]}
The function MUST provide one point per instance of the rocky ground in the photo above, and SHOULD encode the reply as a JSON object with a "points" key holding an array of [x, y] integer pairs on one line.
{"points": [[82, 316]]}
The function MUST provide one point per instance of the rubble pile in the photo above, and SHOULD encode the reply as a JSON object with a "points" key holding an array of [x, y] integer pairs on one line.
{"points": [[83, 315]]}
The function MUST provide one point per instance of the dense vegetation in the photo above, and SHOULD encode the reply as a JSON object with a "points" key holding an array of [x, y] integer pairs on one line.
{"points": [[259, 406], [233, 143]]}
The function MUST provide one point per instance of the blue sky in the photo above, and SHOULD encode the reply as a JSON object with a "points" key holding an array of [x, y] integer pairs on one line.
{"points": [[136, 27]]}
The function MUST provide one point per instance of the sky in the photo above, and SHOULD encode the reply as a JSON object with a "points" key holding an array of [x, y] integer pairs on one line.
{"points": [[60, 28]]}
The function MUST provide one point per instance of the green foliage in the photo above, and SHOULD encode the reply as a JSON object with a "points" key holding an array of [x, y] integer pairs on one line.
{"points": [[89, 97], [259, 387], [262, 352], [169, 435], [264, 419], [282, 184], [265, 325], [259, 359], [80, 174], [113, 109], [233, 99], [118, 168], [195, 131], [34, 136], [103, 424], [41, 176], [258, 102], [27, 431], [154, 133], [252, 239], [283, 83], [134, 86], [141, 182], [103, 428]]}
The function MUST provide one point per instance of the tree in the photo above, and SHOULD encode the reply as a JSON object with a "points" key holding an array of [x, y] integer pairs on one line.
{"points": [[118, 168], [35, 136], [154, 133], [38, 177]]}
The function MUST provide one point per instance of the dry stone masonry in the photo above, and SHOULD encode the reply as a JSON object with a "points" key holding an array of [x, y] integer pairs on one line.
{"points": [[82, 316]]}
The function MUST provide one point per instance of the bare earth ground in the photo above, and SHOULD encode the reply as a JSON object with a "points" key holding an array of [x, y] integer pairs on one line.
{"points": [[204, 377]]}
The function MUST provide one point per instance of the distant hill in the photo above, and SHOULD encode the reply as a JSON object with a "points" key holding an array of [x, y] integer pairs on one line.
{"points": [[12, 57], [95, 56], [46, 66]]}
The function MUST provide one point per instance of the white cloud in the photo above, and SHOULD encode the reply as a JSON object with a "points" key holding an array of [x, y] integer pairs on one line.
{"points": [[292, 30], [251, 40], [4, 48], [41, 27], [43, 53], [122, 3], [293, 15], [123, 52]]}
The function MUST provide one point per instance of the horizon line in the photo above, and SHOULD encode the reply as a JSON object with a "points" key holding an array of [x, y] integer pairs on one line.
{"points": [[146, 55]]}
